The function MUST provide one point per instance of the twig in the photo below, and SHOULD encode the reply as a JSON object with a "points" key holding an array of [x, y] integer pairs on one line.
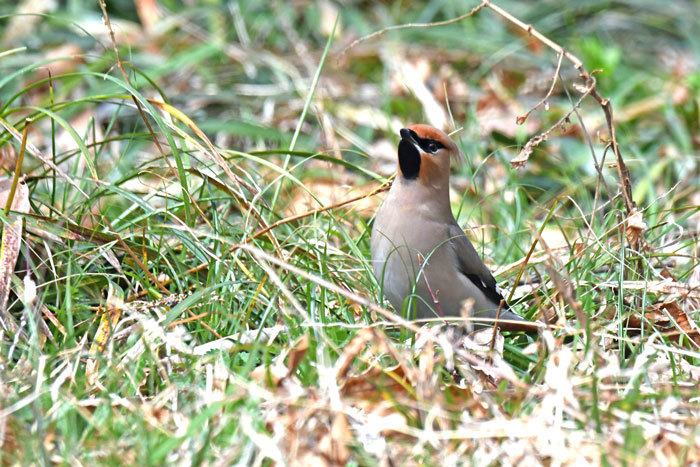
{"points": [[436, 301], [412, 25], [598, 166], [521, 159], [533, 32], [521, 119], [605, 104]]}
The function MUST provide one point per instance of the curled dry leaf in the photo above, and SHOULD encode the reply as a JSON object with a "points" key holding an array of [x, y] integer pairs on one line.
{"points": [[296, 355], [521, 159], [9, 251], [351, 350], [482, 351], [654, 314], [484, 341], [334, 445], [278, 371], [634, 226], [375, 383], [684, 325]]}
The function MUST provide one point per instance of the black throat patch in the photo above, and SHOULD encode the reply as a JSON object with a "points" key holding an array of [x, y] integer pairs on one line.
{"points": [[409, 160]]}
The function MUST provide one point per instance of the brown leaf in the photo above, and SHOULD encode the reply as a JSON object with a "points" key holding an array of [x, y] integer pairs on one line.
{"points": [[351, 350], [334, 445], [8, 157], [653, 314], [521, 159], [273, 375], [11, 242], [375, 382], [634, 226], [296, 355], [688, 327]]}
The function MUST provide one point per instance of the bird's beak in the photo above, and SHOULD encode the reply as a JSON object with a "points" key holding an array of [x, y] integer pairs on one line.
{"points": [[407, 135]]}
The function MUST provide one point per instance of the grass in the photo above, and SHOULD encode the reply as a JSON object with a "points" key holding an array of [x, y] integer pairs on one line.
{"points": [[182, 328]]}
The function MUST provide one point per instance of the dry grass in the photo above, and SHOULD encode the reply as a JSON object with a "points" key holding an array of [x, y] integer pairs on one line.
{"points": [[192, 283]]}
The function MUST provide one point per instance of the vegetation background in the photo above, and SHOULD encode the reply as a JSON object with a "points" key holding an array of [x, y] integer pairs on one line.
{"points": [[192, 281]]}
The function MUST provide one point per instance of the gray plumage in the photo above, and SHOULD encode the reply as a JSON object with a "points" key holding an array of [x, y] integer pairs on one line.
{"points": [[419, 252]]}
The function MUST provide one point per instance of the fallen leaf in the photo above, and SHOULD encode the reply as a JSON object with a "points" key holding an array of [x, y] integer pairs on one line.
{"points": [[634, 226], [11, 243], [334, 445], [521, 159], [376, 382], [688, 327], [296, 354], [273, 375]]}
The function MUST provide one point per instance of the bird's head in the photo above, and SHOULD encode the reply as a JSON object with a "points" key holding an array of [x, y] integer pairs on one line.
{"points": [[425, 153]]}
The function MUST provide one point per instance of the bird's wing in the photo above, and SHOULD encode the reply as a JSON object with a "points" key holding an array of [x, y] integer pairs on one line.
{"points": [[470, 264]]}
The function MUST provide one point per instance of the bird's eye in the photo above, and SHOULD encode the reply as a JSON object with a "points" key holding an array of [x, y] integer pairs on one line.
{"points": [[433, 146]]}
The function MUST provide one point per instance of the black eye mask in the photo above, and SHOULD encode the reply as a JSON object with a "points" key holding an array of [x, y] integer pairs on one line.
{"points": [[409, 156], [431, 146]]}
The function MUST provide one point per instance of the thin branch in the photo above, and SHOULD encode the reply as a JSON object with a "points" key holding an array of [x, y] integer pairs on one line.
{"points": [[521, 119], [533, 32], [521, 159], [412, 25], [605, 104]]}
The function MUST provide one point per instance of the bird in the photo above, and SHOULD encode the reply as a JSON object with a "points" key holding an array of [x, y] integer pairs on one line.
{"points": [[420, 255]]}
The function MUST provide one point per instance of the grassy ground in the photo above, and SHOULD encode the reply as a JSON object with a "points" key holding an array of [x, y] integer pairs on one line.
{"points": [[193, 286]]}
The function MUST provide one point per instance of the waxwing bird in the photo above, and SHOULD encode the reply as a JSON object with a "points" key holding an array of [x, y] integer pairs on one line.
{"points": [[420, 255]]}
